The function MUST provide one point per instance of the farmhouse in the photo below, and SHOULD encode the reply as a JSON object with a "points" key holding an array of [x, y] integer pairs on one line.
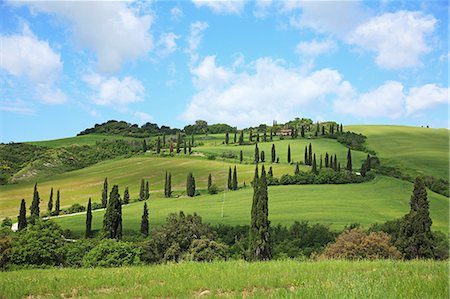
{"points": [[285, 132]]}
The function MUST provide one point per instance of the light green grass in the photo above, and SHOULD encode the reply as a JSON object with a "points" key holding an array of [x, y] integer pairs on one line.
{"points": [[236, 279], [77, 186], [336, 205], [419, 151], [89, 139]]}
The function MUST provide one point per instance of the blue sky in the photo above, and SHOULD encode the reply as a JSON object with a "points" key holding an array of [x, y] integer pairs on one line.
{"points": [[67, 65]]}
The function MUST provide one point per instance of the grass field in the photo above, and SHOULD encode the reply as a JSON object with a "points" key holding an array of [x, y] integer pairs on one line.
{"points": [[89, 139], [77, 186], [335, 205], [236, 279], [416, 150]]}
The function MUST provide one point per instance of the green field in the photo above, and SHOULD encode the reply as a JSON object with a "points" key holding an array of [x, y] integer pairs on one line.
{"points": [[418, 151], [377, 201], [89, 139], [236, 279]]}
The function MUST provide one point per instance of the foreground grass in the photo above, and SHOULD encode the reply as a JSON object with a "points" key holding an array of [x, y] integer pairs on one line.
{"points": [[418, 151], [236, 279], [335, 205]]}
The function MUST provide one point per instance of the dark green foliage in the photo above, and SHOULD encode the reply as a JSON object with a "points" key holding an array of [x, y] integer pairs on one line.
{"points": [[297, 169], [302, 131], [341, 130], [306, 155], [274, 155], [209, 182], [58, 203], [144, 146], [7, 222], [173, 239], [184, 147], [112, 221], [144, 221], [265, 136], [241, 156], [190, 185], [331, 162], [263, 157], [241, 138], [349, 160], [88, 232], [415, 238], [270, 172], [229, 181], [310, 155], [323, 130], [314, 165], [34, 210], [206, 250], [22, 218], [126, 196], [271, 135], [289, 154], [158, 145], [227, 138], [178, 142], [50, 201], [114, 127], [105, 193], [250, 136], [257, 137], [110, 253], [147, 191], [335, 163], [164, 140], [352, 140], [321, 164], [234, 183], [75, 208], [293, 133], [168, 185], [142, 191], [235, 138], [256, 159], [190, 147], [75, 252], [324, 176], [39, 244]]}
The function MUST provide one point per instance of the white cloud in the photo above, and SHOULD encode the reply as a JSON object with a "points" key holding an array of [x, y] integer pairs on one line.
{"points": [[271, 91], [176, 14], [169, 42], [426, 96], [112, 29], [398, 39], [222, 6], [115, 92], [50, 95], [194, 39], [16, 106], [315, 48], [143, 117], [261, 8], [386, 101]]}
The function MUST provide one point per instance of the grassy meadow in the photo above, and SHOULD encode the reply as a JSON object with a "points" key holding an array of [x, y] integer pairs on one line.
{"points": [[237, 279], [89, 139]]}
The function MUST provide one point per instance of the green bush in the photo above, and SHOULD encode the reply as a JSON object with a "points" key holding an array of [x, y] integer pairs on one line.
{"points": [[75, 208], [206, 250], [213, 189], [75, 252], [111, 253]]}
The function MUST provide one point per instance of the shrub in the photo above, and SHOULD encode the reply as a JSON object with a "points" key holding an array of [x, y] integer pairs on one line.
{"points": [[96, 206], [206, 250], [229, 155], [211, 157], [7, 222], [75, 208], [111, 253], [6, 243], [213, 189], [75, 252], [358, 244]]}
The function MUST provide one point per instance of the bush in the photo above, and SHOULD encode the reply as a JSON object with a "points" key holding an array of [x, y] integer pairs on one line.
{"points": [[229, 155], [96, 206], [325, 176], [7, 222], [75, 208], [75, 252], [359, 244], [206, 250], [111, 253], [213, 189], [6, 243], [211, 157]]}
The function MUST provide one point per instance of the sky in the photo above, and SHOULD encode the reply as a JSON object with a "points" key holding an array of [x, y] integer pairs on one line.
{"points": [[67, 65]]}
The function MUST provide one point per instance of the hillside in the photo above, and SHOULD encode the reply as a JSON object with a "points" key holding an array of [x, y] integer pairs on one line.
{"points": [[90, 139]]}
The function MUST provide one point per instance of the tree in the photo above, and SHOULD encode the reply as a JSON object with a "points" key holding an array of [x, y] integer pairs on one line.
{"points": [[274, 155], [306, 155], [310, 154], [250, 137], [112, 220], [142, 191], [323, 130], [144, 146], [235, 138], [241, 156], [263, 156], [158, 145], [178, 142], [335, 163], [58, 203], [369, 162], [227, 138], [88, 233], [105, 193], [190, 185], [50, 201], [164, 140], [270, 172], [126, 196], [22, 218], [314, 165], [256, 153], [271, 135], [327, 161], [168, 185], [190, 148], [415, 237], [171, 148], [257, 137], [184, 147], [341, 129], [297, 169], [349, 160], [289, 154], [265, 136], [192, 139], [144, 221], [147, 191], [241, 138], [229, 183], [234, 183], [293, 133], [331, 162], [320, 167], [34, 210], [209, 182]]}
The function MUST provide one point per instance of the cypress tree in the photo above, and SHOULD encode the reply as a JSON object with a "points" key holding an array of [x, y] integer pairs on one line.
{"points": [[50, 201], [253, 234], [415, 237], [297, 169], [184, 147], [241, 138], [335, 163], [323, 130], [147, 191], [363, 169], [263, 156], [273, 153], [105, 193], [265, 136], [158, 145], [126, 196], [314, 165], [349, 160], [88, 233], [192, 139], [229, 182], [320, 167], [178, 142], [271, 135], [289, 154], [58, 203], [234, 182], [34, 210], [209, 182], [306, 155], [144, 221], [317, 128], [142, 191], [257, 137], [369, 163], [326, 160], [241, 156], [250, 137], [190, 185], [22, 218], [310, 154], [270, 173], [341, 129], [256, 153], [168, 185], [164, 140], [227, 138], [331, 162], [339, 167], [190, 148], [112, 220], [144, 146], [292, 133], [332, 129], [235, 138], [302, 132]]}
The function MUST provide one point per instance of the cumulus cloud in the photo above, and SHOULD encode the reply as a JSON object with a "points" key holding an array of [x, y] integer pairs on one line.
{"points": [[25, 56], [270, 91], [169, 42], [112, 29], [426, 96], [176, 14], [315, 48], [194, 39], [222, 6], [398, 39], [113, 91]]}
